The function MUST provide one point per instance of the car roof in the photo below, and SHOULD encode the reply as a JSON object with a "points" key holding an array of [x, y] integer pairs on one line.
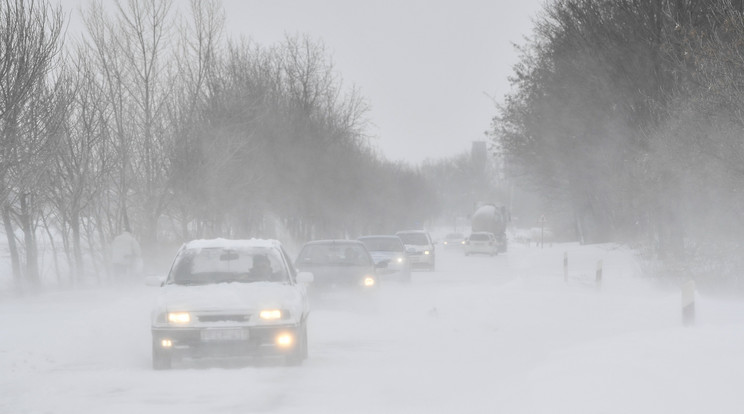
{"points": [[232, 243], [412, 231], [334, 241], [382, 236]]}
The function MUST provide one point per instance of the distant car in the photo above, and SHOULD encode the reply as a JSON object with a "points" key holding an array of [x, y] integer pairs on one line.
{"points": [[419, 247], [453, 240], [481, 242], [389, 255], [230, 298], [338, 264]]}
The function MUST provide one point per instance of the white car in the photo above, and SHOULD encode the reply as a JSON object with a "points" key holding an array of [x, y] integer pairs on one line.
{"points": [[481, 242], [419, 248], [227, 298]]}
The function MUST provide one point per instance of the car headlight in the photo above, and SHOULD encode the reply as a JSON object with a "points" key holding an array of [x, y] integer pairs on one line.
{"points": [[369, 281], [445, 243], [180, 318], [427, 252], [272, 314], [285, 339], [399, 260]]}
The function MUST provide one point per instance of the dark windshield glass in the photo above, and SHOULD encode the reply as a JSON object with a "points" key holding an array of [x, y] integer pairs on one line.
{"points": [[205, 266], [334, 254], [479, 237], [416, 239], [382, 244]]}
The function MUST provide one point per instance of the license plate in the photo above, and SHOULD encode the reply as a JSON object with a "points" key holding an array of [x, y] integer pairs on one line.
{"points": [[209, 335]]}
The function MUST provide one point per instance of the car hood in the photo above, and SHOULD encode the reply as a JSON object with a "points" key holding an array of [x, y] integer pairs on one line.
{"points": [[338, 275], [231, 297], [382, 256], [418, 248]]}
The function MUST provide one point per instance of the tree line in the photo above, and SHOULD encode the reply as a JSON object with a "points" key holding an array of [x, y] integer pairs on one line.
{"points": [[155, 121], [626, 116]]}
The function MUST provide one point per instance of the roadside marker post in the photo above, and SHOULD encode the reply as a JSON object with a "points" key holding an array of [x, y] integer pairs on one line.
{"points": [[565, 266], [688, 303], [598, 277], [542, 230]]}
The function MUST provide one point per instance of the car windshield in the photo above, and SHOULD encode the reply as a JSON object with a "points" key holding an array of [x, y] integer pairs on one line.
{"points": [[416, 239], [454, 236], [383, 244], [204, 266], [335, 254], [479, 237]]}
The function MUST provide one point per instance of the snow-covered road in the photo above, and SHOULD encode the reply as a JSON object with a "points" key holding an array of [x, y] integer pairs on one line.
{"points": [[480, 335]]}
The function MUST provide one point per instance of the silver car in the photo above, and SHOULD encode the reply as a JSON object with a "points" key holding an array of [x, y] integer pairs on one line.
{"points": [[390, 257]]}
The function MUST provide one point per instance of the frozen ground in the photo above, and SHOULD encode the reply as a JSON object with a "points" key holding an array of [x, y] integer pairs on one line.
{"points": [[481, 335]]}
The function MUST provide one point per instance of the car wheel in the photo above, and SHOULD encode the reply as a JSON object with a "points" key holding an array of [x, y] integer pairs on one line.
{"points": [[300, 353], [161, 360]]}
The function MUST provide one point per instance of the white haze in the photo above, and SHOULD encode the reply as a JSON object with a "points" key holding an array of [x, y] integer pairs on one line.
{"points": [[431, 71], [481, 334]]}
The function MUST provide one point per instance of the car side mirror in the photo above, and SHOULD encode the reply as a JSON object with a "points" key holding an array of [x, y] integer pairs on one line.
{"points": [[305, 277], [154, 280]]}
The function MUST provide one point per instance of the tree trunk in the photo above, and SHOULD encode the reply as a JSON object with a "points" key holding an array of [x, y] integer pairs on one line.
{"points": [[54, 250], [77, 250], [13, 248], [29, 238]]}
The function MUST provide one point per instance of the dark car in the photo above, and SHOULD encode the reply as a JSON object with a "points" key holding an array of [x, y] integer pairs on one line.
{"points": [[390, 257], [337, 264]]}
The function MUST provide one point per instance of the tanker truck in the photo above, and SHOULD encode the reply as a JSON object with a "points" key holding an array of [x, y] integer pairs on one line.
{"points": [[491, 218]]}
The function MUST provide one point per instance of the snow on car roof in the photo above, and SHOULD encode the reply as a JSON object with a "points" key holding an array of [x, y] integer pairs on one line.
{"points": [[232, 243], [334, 241]]}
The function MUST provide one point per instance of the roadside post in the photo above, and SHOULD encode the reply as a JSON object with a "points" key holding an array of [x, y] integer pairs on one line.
{"points": [[688, 303], [565, 266], [542, 230], [598, 276]]}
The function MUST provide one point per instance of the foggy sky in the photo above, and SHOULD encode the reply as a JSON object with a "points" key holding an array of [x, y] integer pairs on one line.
{"points": [[427, 68], [430, 70]]}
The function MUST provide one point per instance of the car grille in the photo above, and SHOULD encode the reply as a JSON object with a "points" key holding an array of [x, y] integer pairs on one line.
{"points": [[223, 318]]}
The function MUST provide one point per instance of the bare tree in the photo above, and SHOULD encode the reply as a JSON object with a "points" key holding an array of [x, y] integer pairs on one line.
{"points": [[29, 44]]}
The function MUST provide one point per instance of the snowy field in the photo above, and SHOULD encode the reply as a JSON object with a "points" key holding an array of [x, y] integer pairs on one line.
{"points": [[502, 334]]}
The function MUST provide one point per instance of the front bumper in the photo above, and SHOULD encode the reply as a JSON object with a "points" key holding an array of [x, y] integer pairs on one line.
{"points": [[258, 341], [418, 260], [481, 249], [403, 273]]}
